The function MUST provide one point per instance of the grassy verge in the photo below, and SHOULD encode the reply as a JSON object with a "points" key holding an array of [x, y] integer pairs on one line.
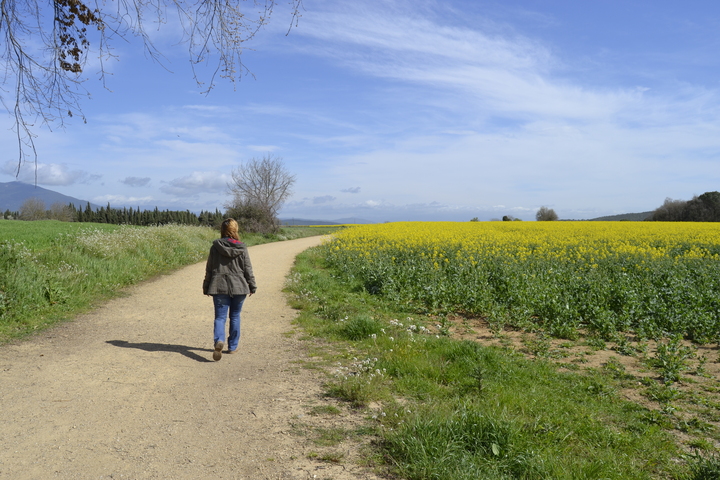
{"points": [[454, 409], [51, 270]]}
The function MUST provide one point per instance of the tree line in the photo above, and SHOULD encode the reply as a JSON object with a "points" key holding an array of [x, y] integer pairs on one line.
{"points": [[35, 209], [703, 208], [259, 188]]}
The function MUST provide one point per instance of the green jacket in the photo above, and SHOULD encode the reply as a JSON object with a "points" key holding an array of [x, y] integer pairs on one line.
{"points": [[228, 270]]}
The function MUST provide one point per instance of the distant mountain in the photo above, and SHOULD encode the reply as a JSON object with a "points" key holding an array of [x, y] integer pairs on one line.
{"points": [[342, 221], [632, 217], [353, 221], [13, 194], [304, 221]]}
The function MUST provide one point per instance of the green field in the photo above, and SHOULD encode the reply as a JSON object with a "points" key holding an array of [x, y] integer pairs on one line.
{"points": [[651, 279], [382, 297], [51, 270]]}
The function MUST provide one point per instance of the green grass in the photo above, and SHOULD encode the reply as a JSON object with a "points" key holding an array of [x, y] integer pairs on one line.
{"points": [[51, 270], [458, 410]]}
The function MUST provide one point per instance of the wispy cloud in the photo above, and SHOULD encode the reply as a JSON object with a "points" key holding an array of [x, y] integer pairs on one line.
{"points": [[115, 200], [497, 72], [195, 183], [136, 181], [263, 148], [538, 133], [323, 199], [405, 108], [49, 174]]}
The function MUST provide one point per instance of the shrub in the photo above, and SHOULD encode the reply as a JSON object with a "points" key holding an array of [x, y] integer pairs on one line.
{"points": [[545, 214]]}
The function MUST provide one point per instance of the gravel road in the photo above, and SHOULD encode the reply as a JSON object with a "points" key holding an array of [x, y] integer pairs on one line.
{"points": [[130, 390]]}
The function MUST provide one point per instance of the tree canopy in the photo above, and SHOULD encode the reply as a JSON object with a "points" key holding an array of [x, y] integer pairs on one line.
{"points": [[45, 46], [703, 208], [545, 214]]}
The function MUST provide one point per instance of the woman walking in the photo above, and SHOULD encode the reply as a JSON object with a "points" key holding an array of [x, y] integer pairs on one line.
{"points": [[229, 280]]}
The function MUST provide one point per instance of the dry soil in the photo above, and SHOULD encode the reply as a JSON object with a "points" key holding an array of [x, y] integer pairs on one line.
{"points": [[130, 390]]}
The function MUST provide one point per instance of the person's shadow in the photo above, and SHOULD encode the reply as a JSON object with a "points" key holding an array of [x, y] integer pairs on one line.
{"points": [[164, 347]]}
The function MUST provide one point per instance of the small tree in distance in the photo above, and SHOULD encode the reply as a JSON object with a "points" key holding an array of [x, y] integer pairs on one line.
{"points": [[252, 217], [33, 209], [62, 212], [670, 211], [545, 214], [259, 188]]}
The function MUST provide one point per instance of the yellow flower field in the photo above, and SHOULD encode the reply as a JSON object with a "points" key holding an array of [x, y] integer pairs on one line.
{"points": [[649, 277]]}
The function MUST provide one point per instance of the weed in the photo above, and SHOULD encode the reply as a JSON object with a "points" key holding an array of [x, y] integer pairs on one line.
{"points": [[324, 410], [328, 437], [624, 347], [359, 328], [444, 326], [705, 467], [596, 342], [331, 457], [616, 370], [701, 444], [701, 368], [670, 359], [358, 390], [538, 345], [662, 393]]}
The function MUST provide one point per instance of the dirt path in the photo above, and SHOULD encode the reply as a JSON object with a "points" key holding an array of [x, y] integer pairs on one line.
{"points": [[130, 390]]}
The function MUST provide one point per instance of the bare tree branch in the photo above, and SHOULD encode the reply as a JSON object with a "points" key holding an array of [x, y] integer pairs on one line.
{"points": [[263, 182], [44, 49]]}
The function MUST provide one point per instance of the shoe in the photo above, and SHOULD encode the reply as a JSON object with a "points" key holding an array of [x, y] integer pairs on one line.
{"points": [[230, 352], [217, 354]]}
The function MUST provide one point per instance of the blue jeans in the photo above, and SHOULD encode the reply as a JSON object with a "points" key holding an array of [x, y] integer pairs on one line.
{"points": [[223, 303]]}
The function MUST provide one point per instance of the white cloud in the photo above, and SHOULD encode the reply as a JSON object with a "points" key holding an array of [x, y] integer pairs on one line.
{"points": [[136, 181], [49, 174], [114, 200], [519, 129], [323, 199], [381, 210], [450, 116], [263, 148], [485, 70], [195, 183], [208, 109]]}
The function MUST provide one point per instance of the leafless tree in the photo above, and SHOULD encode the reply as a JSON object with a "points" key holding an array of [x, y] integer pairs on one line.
{"points": [[545, 214], [670, 211], [62, 212], [33, 209], [264, 182], [44, 48]]}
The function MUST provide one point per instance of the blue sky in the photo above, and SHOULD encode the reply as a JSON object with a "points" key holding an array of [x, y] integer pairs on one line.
{"points": [[397, 110]]}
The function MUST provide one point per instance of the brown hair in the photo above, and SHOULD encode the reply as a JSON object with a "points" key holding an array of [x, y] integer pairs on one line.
{"points": [[229, 228]]}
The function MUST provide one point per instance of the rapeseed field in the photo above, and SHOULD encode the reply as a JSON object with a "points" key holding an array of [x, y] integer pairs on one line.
{"points": [[652, 278]]}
